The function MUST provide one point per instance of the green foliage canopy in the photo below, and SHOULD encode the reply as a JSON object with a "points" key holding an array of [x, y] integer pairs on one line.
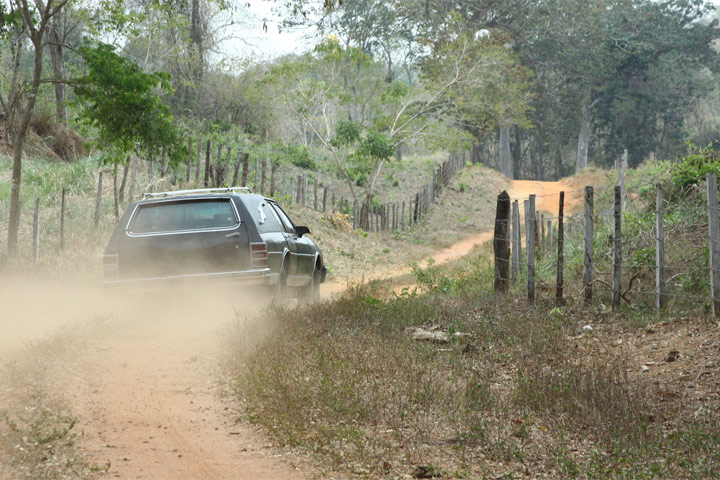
{"points": [[122, 102]]}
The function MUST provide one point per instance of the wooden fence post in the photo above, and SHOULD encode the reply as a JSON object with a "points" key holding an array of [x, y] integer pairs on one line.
{"points": [[560, 252], [433, 186], [537, 234], [315, 194], [416, 212], [588, 245], [355, 211], [257, 174], [305, 189], [133, 175], [623, 168], [218, 166], [299, 190], [273, 168], [206, 178], [617, 250], [236, 173], [245, 168], [530, 242], [163, 163], [324, 201], [263, 176], [501, 243], [226, 168], [151, 166], [98, 198], [197, 163], [123, 183], [714, 234], [516, 254], [526, 216], [661, 297], [36, 232], [188, 161], [62, 220]]}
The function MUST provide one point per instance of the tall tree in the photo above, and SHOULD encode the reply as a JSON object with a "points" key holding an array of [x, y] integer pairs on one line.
{"points": [[23, 22]]}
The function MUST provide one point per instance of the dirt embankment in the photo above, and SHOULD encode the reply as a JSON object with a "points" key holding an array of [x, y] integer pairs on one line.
{"points": [[148, 400]]}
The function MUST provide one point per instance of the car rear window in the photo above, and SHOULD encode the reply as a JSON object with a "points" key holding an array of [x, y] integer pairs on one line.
{"points": [[181, 216]]}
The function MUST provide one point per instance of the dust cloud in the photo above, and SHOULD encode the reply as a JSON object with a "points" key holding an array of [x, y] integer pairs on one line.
{"points": [[147, 385], [32, 308]]}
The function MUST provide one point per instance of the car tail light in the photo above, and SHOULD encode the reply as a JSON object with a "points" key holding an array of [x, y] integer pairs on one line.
{"points": [[259, 254], [110, 266]]}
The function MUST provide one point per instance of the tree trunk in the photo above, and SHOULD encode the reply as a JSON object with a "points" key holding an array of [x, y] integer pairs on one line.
{"points": [[196, 38], [505, 155], [516, 151], [56, 37], [583, 139], [20, 134]]}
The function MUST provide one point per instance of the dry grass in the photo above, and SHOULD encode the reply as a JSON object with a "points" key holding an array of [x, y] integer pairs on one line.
{"points": [[521, 392], [38, 438]]}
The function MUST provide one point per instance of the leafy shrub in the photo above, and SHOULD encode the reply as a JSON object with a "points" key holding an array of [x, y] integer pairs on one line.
{"points": [[693, 169], [299, 156]]}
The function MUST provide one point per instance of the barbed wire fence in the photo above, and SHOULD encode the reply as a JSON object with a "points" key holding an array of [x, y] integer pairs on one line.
{"points": [[217, 166], [614, 253]]}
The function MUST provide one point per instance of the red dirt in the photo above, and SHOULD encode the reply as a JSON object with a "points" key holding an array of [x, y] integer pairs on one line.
{"points": [[152, 407]]}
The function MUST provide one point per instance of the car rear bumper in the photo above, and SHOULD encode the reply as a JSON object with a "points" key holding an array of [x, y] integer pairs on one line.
{"points": [[260, 276]]}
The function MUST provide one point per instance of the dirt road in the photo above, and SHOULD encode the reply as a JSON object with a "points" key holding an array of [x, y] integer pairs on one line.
{"points": [[149, 403]]}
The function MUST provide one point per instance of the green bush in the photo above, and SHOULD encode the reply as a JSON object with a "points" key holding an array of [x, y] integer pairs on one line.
{"points": [[693, 169], [299, 156]]}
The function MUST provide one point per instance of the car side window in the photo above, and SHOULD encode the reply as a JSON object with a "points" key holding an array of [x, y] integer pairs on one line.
{"points": [[270, 220], [289, 227], [264, 216]]}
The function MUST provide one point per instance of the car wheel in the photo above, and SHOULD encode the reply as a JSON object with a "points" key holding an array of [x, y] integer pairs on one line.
{"points": [[311, 293], [281, 290]]}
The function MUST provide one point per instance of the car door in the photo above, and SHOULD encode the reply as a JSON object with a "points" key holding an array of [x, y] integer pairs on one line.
{"points": [[305, 250], [291, 237], [272, 232]]}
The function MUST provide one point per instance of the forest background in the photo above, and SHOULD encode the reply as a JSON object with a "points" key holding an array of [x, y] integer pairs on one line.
{"points": [[535, 89]]}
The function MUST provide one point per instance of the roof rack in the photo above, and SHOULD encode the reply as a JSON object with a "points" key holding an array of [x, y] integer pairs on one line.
{"points": [[196, 191]]}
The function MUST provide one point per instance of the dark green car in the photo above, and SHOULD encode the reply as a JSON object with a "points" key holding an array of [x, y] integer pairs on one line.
{"points": [[220, 235]]}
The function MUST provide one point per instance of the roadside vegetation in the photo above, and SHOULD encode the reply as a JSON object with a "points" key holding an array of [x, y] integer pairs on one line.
{"points": [[38, 434], [498, 388]]}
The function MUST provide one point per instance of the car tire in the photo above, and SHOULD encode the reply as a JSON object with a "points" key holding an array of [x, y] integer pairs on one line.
{"points": [[281, 289], [311, 293]]}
